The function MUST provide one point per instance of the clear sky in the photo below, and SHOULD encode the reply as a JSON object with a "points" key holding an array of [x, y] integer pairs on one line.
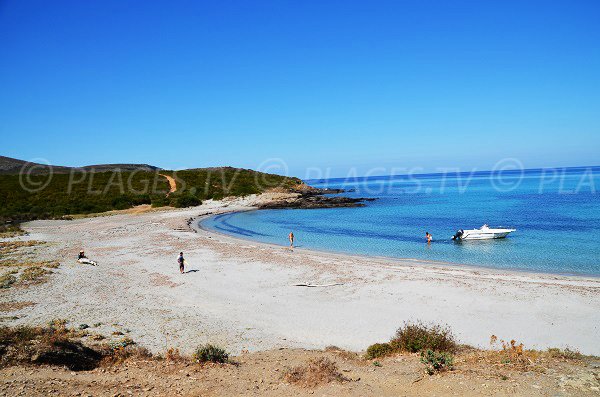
{"points": [[335, 84]]}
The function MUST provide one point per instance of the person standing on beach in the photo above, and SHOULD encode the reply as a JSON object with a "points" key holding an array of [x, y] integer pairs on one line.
{"points": [[291, 237], [181, 262], [429, 237]]}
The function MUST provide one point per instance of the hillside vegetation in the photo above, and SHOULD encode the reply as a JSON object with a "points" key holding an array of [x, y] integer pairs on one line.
{"points": [[9, 165], [43, 196]]}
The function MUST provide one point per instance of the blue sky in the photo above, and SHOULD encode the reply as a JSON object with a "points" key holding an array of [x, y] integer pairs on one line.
{"points": [[338, 85]]}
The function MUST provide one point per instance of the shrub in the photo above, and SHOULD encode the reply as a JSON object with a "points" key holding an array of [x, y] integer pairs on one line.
{"points": [[378, 350], [174, 355], [211, 353], [112, 356], [415, 337], [314, 373], [185, 200], [8, 279], [57, 325], [160, 201], [566, 354], [122, 343], [36, 345], [436, 361], [513, 353]]}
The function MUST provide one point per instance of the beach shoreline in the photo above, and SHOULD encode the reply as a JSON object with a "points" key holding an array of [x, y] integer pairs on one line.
{"points": [[195, 226], [243, 295]]}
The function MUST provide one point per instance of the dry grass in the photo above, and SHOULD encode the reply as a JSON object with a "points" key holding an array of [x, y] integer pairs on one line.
{"points": [[32, 275], [511, 355], [119, 355], [11, 230], [314, 373], [57, 344], [566, 354], [173, 355], [50, 345], [9, 247], [12, 306], [343, 354], [20, 262], [15, 254]]}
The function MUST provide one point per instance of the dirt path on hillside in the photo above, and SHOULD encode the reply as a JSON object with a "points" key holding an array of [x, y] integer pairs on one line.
{"points": [[172, 184]]}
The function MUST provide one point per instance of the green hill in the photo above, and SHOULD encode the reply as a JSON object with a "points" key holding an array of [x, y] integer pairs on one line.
{"points": [[46, 196]]}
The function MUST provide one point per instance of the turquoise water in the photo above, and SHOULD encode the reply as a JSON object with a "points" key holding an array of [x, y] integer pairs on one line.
{"points": [[556, 214]]}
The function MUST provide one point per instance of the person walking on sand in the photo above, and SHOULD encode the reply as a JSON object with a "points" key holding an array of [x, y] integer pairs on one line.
{"points": [[181, 262], [429, 237], [291, 237]]}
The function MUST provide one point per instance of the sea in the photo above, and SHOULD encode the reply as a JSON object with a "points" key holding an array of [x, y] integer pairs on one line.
{"points": [[556, 213]]}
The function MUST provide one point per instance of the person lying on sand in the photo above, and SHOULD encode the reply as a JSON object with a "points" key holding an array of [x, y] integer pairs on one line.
{"points": [[181, 262], [81, 258]]}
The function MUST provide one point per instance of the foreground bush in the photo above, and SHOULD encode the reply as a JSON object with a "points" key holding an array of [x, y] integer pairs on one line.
{"points": [[314, 373], [210, 353], [55, 344], [437, 362], [416, 337], [378, 350], [52, 346]]}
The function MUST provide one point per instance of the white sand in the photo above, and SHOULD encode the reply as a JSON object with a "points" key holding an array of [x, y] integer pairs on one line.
{"points": [[242, 294]]}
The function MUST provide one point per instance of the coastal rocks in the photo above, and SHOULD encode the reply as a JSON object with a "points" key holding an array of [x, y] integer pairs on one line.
{"points": [[312, 200]]}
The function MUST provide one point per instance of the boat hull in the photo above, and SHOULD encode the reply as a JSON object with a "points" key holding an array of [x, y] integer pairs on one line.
{"points": [[484, 236]]}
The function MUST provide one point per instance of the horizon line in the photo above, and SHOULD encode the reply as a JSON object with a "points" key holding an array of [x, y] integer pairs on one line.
{"points": [[456, 173]]}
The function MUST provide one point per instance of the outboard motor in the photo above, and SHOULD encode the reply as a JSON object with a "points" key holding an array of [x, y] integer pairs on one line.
{"points": [[458, 234]]}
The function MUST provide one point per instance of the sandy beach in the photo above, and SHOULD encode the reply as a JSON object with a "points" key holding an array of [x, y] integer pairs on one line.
{"points": [[243, 295]]}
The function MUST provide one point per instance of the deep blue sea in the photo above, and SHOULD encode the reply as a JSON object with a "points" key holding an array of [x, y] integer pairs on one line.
{"points": [[556, 213]]}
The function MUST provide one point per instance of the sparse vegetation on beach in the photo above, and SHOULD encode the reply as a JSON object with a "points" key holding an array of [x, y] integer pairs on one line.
{"points": [[414, 338], [22, 271], [437, 361], [377, 350], [333, 370], [33, 274], [10, 229], [210, 353], [53, 345], [314, 373], [8, 279]]}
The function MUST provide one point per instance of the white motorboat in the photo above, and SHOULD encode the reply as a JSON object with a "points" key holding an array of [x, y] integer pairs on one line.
{"points": [[483, 233]]}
